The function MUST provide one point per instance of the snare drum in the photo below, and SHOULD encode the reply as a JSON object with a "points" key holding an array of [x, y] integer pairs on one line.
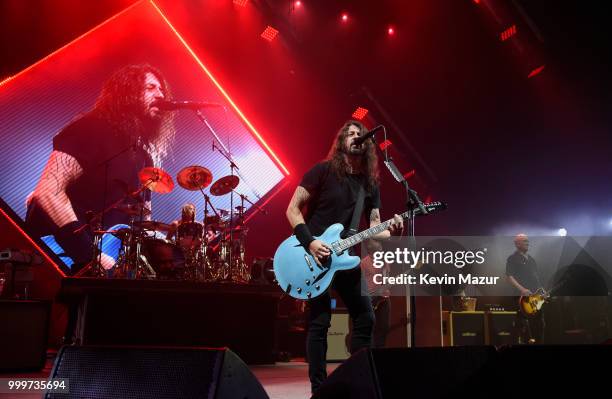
{"points": [[166, 258]]}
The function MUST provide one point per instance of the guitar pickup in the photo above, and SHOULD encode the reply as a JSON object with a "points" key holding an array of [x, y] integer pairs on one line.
{"points": [[307, 259]]}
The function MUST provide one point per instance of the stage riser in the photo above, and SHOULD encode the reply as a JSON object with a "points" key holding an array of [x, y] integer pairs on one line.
{"points": [[143, 313]]}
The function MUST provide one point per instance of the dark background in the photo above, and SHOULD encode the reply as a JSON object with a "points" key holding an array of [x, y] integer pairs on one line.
{"points": [[506, 152]]}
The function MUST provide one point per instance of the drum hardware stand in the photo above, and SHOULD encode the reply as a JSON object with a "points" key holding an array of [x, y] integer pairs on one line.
{"points": [[206, 262], [242, 267], [233, 168], [234, 171], [135, 265], [95, 266]]}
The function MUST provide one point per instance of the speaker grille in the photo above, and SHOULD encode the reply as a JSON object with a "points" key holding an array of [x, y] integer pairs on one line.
{"points": [[138, 373]]}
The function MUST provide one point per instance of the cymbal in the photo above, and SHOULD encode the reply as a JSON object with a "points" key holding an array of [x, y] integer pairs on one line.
{"points": [[134, 209], [156, 179], [224, 185], [194, 178], [225, 212], [153, 225]]}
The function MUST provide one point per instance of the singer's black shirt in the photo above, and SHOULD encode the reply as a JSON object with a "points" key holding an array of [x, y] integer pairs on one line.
{"points": [[92, 142], [332, 199]]}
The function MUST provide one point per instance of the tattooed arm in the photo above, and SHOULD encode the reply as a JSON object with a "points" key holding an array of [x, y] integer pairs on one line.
{"points": [[317, 248], [294, 210], [395, 229], [50, 193]]}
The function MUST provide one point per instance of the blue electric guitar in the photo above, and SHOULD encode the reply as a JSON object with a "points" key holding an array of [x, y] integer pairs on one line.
{"points": [[301, 277]]}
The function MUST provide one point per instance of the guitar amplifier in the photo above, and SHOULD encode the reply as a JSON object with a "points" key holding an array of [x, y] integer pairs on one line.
{"points": [[501, 328], [463, 328], [336, 337], [24, 329]]}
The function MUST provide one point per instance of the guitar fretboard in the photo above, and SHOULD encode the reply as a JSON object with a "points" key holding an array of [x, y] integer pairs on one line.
{"points": [[344, 244]]}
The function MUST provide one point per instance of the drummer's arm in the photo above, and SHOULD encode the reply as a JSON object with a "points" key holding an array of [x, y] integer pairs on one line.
{"points": [[50, 192], [172, 230]]}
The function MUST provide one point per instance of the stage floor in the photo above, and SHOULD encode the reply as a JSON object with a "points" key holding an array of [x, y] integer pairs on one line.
{"points": [[281, 380]]}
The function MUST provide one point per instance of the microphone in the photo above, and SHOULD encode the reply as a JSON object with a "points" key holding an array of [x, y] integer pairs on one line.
{"points": [[166, 105], [361, 139]]}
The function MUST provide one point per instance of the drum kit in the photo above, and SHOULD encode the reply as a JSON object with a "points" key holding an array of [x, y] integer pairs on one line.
{"points": [[213, 250]]}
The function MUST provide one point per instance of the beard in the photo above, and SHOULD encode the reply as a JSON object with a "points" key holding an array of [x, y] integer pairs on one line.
{"points": [[355, 150], [151, 126]]}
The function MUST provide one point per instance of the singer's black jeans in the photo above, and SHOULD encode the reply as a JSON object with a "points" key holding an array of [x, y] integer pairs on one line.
{"points": [[348, 285]]}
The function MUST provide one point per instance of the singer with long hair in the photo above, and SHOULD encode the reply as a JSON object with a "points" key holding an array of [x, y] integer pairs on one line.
{"points": [[97, 157], [329, 191]]}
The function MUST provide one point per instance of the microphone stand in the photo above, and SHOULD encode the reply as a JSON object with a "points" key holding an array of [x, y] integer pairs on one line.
{"points": [[412, 203], [224, 151], [234, 170]]}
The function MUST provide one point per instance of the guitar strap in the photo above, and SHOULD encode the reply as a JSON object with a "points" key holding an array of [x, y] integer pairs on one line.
{"points": [[352, 230]]}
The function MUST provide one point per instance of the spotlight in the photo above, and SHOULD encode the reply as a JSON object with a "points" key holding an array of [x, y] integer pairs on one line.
{"points": [[562, 232], [508, 33], [360, 113], [536, 71], [269, 33], [391, 31], [298, 3], [344, 17]]}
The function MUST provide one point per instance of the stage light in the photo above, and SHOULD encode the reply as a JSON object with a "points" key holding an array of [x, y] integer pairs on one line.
{"points": [[391, 31], [344, 17], [360, 113], [562, 232], [477, 1], [269, 33], [240, 3], [536, 71], [385, 144], [298, 3], [508, 33], [409, 174]]}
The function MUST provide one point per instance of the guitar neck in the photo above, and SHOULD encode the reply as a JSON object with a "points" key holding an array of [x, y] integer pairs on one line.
{"points": [[342, 245], [366, 234]]}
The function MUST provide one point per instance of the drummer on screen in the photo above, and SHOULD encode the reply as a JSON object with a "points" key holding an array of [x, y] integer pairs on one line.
{"points": [[188, 213]]}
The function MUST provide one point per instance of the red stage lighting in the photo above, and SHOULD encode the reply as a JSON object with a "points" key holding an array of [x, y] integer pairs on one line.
{"points": [[385, 144], [244, 119], [477, 1], [508, 33], [240, 3], [391, 31], [536, 71], [298, 3], [409, 174], [344, 17], [360, 113], [269, 33]]}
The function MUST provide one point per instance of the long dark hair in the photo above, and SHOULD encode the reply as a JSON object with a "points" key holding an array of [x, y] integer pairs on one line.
{"points": [[120, 103], [336, 156]]}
